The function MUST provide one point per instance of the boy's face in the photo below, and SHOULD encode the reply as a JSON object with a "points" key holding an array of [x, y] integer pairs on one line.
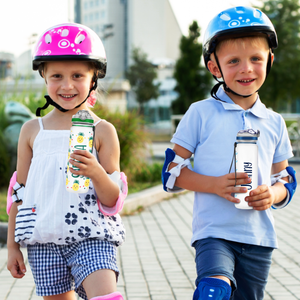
{"points": [[243, 63]]}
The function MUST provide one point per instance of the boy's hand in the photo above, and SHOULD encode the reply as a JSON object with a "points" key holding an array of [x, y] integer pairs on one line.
{"points": [[86, 162], [15, 263], [225, 185], [261, 198]]}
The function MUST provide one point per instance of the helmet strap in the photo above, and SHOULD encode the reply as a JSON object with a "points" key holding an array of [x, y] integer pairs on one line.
{"points": [[226, 88], [49, 101]]}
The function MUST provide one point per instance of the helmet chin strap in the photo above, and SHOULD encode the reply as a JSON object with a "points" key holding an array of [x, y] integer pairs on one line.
{"points": [[49, 101], [226, 88]]}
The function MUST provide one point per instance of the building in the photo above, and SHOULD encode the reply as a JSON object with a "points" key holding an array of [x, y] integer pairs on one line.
{"points": [[6, 65], [123, 24]]}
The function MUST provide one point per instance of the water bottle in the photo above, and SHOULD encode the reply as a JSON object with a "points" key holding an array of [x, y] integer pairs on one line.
{"points": [[246, 161], [81, 138]]}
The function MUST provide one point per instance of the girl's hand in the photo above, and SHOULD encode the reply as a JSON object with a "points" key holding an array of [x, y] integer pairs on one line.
{"points": [[86, 162], [261, 198], [15, 263], [225, 185]]}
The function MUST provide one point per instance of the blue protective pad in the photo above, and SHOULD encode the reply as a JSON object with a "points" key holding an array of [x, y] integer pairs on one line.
{"points": [[212, 289], [170, 155], [291, 186]]}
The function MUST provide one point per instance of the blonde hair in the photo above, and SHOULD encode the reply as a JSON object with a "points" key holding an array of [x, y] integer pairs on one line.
{"points": [[256, 41]]}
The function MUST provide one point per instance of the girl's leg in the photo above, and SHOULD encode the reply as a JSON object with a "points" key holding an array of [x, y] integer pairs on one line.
{"points": [[100, 283], [66, 296]]}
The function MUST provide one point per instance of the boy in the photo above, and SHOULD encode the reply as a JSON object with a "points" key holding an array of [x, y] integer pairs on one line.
{"points": [[233, 246]]}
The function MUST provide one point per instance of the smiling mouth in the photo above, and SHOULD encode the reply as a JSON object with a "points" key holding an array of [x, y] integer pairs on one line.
{"points": [[67, 96], [246, 81]]}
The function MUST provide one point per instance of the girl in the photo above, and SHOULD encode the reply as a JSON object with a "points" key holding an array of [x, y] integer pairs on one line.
{"points": [[71, 240]]}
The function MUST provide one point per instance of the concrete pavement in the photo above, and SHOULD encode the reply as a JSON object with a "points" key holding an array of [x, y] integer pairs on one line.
{"points": [[156, 262]]}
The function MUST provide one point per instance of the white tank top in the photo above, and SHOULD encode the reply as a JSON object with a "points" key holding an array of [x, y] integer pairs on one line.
{"points": [[51, 214]]}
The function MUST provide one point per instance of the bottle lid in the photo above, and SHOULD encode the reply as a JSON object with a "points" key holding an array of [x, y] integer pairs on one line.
{"points": [[249, 134], [82, 116]]}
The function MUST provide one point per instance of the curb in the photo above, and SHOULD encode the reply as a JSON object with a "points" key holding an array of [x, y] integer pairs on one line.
{"points": [[132, 203]]}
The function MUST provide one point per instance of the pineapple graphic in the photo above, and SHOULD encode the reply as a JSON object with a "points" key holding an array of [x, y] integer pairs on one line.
{"points": [[75, 185], [87, 183], [67, 181], [80, 137], [70, 140], [91, 142]]}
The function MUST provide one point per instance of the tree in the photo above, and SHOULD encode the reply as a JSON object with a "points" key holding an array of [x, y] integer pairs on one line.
{"points": [[282, 85], [141, 75], [193, 80]]}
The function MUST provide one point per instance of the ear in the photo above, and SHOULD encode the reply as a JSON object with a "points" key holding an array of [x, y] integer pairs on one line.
{"points": [[272, 58], [213, 68]]}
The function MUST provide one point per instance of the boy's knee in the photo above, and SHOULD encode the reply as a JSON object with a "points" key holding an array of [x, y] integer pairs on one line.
{"points": [[212, 289]]}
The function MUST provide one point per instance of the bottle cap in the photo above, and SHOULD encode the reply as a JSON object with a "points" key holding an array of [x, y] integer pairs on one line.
{"points": [[82, 116], [249, 134]]}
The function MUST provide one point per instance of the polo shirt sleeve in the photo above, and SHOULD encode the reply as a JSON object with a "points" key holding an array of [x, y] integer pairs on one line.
{"points": [[187, 134], [283, 149]]}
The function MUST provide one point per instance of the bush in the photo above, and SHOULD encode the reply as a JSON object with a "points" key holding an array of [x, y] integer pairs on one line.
{"points": [[129, 126]]}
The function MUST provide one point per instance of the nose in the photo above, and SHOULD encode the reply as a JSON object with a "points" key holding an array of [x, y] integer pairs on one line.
{"points": [[246, 67], [67, 84]]}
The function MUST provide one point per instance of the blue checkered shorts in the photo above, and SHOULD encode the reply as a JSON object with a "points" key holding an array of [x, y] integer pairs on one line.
{"points": [[58, 269]]}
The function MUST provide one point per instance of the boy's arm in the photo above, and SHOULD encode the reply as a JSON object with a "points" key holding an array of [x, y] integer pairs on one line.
{"points": [[223, 186], [264, 196]]}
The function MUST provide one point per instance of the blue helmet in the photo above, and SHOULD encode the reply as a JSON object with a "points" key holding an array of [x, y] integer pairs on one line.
{"points": [[238, 21]]}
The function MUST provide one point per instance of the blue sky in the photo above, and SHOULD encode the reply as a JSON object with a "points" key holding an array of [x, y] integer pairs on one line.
{"points": [[19, 19]]}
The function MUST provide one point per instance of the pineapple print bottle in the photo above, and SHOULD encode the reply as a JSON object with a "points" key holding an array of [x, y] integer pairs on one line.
{"points": [[81, 138]]}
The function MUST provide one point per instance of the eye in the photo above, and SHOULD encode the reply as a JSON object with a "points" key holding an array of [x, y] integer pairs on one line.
{"points": [[234, 61], [77, 76], [79, 39], [48, 39], [255, 58]]}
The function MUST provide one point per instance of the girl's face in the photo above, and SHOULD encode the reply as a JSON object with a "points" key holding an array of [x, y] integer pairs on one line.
{"points": [[68, 83]]}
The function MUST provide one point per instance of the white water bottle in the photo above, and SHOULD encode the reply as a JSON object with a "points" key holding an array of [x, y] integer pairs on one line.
{"points": [[81, 138], [246, 161]]}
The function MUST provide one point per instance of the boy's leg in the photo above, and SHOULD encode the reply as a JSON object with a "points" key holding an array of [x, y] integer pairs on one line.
{"points": [[251, 272], [214, 261]]}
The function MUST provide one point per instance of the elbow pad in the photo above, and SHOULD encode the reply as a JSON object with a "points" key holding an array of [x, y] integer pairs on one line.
{"points": [[290, 186], [121, 180], [17, 194], [168, 177]]}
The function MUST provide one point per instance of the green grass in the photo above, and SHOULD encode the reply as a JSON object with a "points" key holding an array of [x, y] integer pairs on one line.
{"points": [[3, 214]]}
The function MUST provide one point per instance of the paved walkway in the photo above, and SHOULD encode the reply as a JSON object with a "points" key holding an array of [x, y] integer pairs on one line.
{"points": [[157, 262]]}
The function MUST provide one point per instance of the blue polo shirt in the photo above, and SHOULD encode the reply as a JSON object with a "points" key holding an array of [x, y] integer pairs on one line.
{"points": [[208, 130]]}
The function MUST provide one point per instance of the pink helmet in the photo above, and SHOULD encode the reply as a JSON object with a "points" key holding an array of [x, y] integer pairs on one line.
{"points": [[70, 41]]}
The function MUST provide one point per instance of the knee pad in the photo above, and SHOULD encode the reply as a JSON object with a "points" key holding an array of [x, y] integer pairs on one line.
{"points": [[112, 296], [212, 289]]}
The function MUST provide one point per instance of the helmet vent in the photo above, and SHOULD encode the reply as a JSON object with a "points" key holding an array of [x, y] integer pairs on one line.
{"points": [[48, 39], [65, 32], [257, 14], [225, 17], [79, 39]]}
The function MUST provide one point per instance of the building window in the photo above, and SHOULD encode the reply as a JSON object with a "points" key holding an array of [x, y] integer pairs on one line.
{"points": [[91, 3]]}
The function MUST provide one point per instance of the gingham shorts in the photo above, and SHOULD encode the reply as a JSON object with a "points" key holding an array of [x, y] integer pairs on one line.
{"points": [[58, 269]]}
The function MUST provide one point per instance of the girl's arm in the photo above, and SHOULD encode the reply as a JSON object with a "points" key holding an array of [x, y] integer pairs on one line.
{"points": [[224, 186], [15, 263], [107, 144]]}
